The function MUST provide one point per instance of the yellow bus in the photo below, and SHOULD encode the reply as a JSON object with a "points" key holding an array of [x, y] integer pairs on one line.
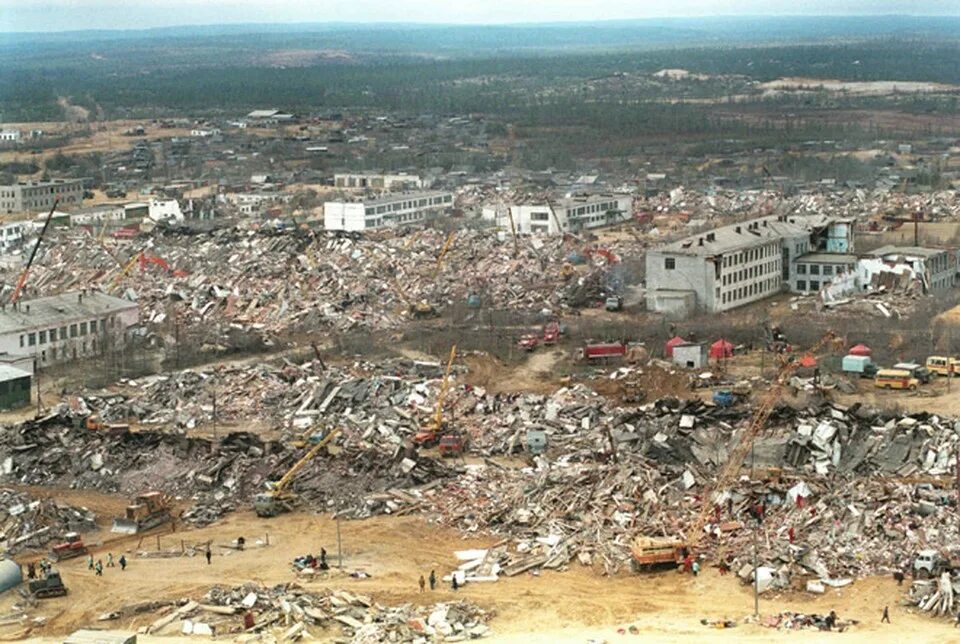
{"points": [[941, 365], [895, 379]]}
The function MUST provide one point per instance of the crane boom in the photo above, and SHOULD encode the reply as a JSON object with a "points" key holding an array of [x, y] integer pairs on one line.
{"points": [[26, 271], [444, 388], [292, 472], [744, 444]]}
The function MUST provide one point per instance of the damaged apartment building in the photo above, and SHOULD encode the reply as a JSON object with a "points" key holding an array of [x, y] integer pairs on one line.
{"points": [[569, 214], [400, 209], [734, 265]]}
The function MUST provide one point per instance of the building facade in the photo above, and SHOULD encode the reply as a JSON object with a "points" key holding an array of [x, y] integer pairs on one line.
{"points": [[10, 136], [815, 271], [736, 265], [64, 328], [378, 181], [28, 196], [395, 210], [11, 235], [936, 267], [571, 214]]}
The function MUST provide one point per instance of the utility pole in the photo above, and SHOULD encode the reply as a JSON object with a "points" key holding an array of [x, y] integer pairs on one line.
{"points": [[36, 373], [339, 545], [214, 379], [756, 529]]}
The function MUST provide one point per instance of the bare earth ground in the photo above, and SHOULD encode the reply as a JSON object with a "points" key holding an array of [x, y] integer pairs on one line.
{"points": [[576, 605]]}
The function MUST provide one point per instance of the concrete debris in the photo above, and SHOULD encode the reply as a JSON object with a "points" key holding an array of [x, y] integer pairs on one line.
{"points": [[28, 523]]}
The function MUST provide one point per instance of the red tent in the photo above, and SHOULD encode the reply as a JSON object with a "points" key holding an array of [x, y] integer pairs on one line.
{"points": [[671, 343], [860, 350], [721, 349]]}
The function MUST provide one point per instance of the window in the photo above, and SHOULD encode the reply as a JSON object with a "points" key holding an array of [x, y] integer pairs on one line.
{"points": [[32, 339], [43, 337], [539, 216], [21, 340], [801, 285], [63, 333], [73, 330], [801, 269], [814, 285], [814, 269], [828, 270], [83, 328], [669, 263]]}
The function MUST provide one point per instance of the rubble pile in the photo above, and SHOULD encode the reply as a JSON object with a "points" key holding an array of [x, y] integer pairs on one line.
{"points": [[26, 522], [290, 609], [935, 596]]}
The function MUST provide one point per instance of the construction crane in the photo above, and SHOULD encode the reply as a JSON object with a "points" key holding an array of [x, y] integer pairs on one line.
{"points": [[744, 444], [443, 252], [33, 254], [278, 498], [429, 434]]}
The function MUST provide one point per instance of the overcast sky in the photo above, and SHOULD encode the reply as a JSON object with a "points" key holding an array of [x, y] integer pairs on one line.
{"points": [[58, 15]]}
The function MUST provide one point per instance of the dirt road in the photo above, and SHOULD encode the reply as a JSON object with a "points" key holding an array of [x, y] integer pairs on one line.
{"points": [[571, 606]]}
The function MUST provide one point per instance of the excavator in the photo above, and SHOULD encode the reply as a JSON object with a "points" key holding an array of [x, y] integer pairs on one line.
{"points": [[429, 435], [641, 548], [277, 498]]}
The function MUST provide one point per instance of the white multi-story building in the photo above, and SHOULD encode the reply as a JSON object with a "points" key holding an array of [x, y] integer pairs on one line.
{"points": [[395, 210], [569, 214], [253, 203], [10, 135], [62, 328], [11, 235]]}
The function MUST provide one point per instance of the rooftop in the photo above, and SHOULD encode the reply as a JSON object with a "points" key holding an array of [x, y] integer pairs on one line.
{"points": [[8, 373], [907, 251], [828, 258], [400, 196], [52, 310], [746, 234]]}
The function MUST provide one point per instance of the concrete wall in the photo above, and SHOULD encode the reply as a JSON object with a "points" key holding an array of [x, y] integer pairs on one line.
{"points": [[688, 274], [339, 215]]}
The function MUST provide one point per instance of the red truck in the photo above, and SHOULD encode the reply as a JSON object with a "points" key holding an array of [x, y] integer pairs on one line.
{"points": [[528, 342], [551, 333], [602, 350]]}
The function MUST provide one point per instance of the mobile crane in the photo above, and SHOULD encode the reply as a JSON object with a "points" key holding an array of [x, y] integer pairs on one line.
{"points": [[277, 498], [33, 254], [429, 434], [738, 453]]}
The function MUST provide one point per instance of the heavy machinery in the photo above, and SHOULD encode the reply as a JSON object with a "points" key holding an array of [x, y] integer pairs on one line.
{"points": [[277, 498], [742, 446], [430, 433], [148, 510], [452, 444], [33, 254], [71, 546], [48, 586], [647, 553], [551, 333], [528, 342]]}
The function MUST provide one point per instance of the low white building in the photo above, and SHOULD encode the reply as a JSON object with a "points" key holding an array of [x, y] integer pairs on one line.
{"points": [[104, 213], [395, 210], [11, 235], [164, 210], [10, 135], [62, 328], [378, 181], [206, 132], [254, 203], [569, 214]]}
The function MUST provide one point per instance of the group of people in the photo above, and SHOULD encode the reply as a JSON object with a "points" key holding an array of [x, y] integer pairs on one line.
{"points": [[433, 582], [44, 566], [98, 566]]}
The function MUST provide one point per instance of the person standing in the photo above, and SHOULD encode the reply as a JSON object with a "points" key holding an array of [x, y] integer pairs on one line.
{"points": [[423, 583], [208, 554], [886, 615], [433, 580], [123, 563], [110, 563], [90, 561], [99, 568], [695, 567]]}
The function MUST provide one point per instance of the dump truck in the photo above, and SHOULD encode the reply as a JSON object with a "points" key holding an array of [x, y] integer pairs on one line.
{"points": [[647, 553], [931, 563], [49, 586], [862, 366], [551, 333], [148, 510], [601, 351], [71, 546]]}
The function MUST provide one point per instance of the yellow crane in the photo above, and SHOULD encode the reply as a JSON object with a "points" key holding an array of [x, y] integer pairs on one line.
{"points": [[277, 498], [430, 433], [443, 252], [744, 444]]}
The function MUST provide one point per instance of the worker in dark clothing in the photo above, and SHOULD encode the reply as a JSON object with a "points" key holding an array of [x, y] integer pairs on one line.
{"points": [[323, 558], [423, 584], [248, 621], [455, 585], [208, 554], [886, 615], [99, 567], [123, 563], [240, 543], [831, 620], [433, 580], [31, 571], [898, 575]]}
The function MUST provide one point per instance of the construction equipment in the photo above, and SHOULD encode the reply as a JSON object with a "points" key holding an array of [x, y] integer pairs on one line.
{"points": [[71, 546], [601, 351], [148, 510], [430, 433], [33, 254], [528, 342], [443, 252], [452, 444], [49, 586], [613, 303], [647, 553], [277, 498], [94, 424], [419, 310], [551, 333], [743, 445]]}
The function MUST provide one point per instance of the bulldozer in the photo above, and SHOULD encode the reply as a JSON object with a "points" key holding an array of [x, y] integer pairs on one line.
{"points": [[49, 586], [71, 546], [148, 510]]}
